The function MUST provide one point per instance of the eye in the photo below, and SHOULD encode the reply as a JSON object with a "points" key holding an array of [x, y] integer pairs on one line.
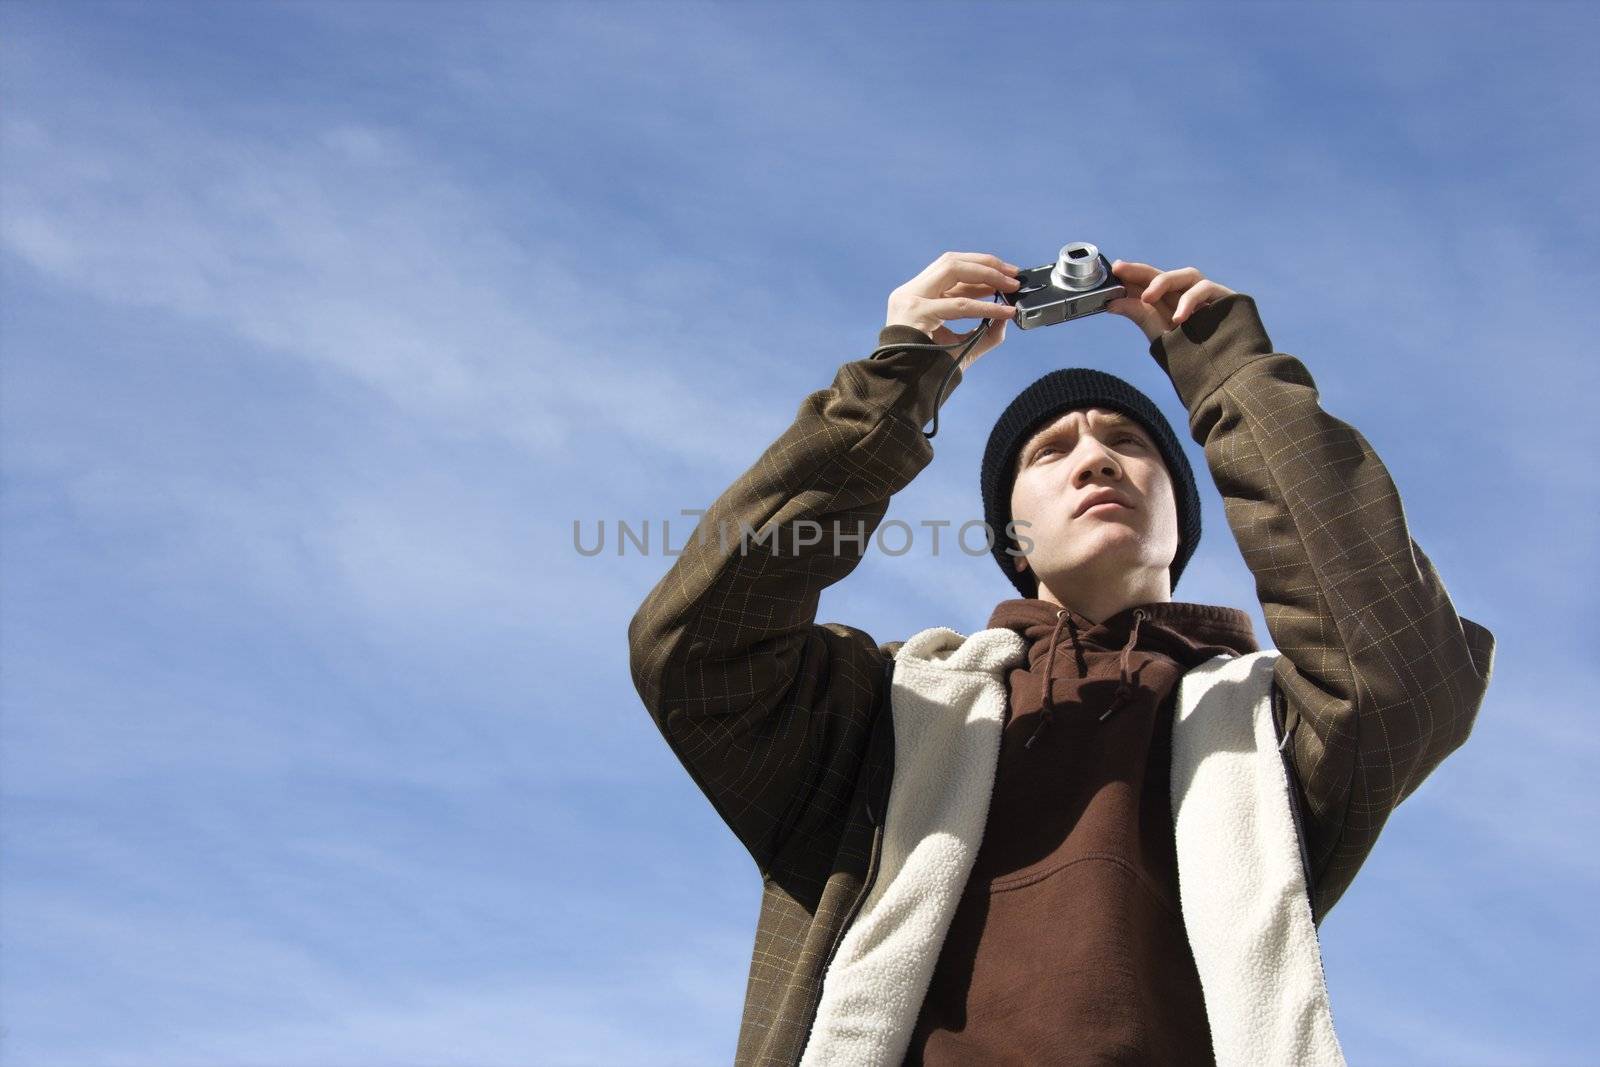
{"points": [[1135, 438]]}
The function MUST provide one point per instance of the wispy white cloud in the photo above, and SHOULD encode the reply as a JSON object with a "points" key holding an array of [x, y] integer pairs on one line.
{"points": [[321, 328], [352, 251], [275, 1003]]}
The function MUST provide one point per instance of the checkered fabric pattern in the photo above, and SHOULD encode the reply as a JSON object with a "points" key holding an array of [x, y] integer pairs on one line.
{"points": [[769, 711]]}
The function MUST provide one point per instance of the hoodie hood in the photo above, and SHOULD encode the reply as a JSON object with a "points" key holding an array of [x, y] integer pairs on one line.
{"points": [[1061, 644]]}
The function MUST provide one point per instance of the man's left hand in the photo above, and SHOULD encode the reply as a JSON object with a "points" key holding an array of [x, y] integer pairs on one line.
{"points": [[1159, 300]]}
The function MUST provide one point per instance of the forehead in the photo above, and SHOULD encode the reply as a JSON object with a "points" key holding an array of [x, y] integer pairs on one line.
{"points": [[1099, 418]]}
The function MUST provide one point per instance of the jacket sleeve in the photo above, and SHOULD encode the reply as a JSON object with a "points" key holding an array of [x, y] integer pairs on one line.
{"points": [[767, 709], [1381, 677]]}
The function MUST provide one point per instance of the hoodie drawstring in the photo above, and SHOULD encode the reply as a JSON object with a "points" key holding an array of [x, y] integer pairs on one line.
{"points": [[1124, 686], [1050, 678]]}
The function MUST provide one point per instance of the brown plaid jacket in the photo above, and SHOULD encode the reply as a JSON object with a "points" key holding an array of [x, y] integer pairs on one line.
{"points": [[774, 715]]}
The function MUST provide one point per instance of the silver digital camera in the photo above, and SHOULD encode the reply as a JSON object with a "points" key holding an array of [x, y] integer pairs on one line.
{"points": [[1078, 283]]}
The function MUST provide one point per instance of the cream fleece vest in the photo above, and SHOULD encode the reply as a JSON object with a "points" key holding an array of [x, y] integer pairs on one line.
{"points": [[1240, 884]]}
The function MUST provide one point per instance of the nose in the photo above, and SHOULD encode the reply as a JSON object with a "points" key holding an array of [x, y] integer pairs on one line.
{"points": [[1098, 459]]}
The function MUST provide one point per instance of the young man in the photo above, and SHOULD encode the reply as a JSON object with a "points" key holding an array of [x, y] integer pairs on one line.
{"points": [[1104, 827]]}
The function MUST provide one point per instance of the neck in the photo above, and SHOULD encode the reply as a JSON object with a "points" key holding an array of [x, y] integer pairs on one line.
{"points": [[1098, 601]]}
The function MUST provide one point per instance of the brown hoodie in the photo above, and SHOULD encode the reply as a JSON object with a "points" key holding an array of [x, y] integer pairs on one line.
{"points": [[1069, 936]]}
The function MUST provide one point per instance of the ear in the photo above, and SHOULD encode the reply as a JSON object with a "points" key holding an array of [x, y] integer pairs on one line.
{"points": [[1019, 563]]}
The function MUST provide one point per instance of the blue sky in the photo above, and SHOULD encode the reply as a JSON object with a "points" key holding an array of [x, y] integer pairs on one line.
{"points": [[322, 324]]}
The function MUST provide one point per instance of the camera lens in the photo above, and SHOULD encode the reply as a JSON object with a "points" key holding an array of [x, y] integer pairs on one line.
{"points": [[1078, 267]]}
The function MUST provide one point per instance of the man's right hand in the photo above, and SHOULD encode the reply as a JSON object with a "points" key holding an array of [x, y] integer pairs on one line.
{"points": [[957, 285]]}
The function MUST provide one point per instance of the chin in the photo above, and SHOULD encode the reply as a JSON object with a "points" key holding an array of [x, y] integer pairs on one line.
{"points": [[1114, 537], [1129, 550]]}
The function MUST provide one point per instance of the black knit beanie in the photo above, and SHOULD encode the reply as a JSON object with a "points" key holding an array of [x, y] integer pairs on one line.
{"points": [[1049, 398]]}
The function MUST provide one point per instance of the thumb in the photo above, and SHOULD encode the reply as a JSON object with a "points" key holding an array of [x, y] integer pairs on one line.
{"points": [[992, 336], [995, 329], [1129, 307]]}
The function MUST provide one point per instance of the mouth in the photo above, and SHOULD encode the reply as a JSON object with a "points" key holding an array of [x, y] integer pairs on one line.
{"points": [[1103, 501]]}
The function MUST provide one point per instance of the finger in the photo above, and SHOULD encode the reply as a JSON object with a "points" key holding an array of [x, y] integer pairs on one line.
{"points": [[945, 335], [1191, 302], [986, 258], [1136, 272], [991, 338], [966, 335], [1197, 297], [1126, 305], [993, 334], [945, 267], [1181, 279], [948, 272], [966, 307], [1132, 308], [1171, 281], [975, 289], [981, 258]]}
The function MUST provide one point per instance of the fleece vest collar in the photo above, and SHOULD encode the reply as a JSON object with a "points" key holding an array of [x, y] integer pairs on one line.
{"points": [[1241, 885]]}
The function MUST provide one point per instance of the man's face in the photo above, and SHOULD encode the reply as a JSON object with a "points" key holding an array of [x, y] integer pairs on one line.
{"points": [[1064, 466]]}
